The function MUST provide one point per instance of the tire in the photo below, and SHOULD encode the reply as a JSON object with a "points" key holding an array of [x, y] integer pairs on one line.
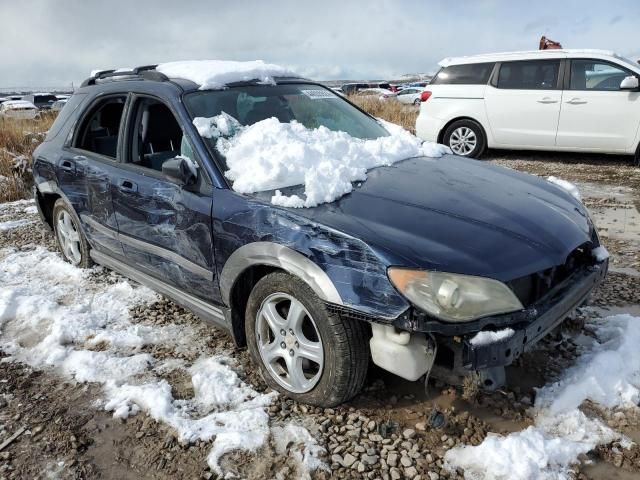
{"points": [[470, 130], [63, 217], [344, 343], [416, 102]]}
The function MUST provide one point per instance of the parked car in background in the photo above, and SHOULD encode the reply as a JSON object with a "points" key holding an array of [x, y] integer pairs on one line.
{"points": [[352, 88], [43, 101], [409, 96], [57, 105], [18, 109], [572, 100], [379, 93], [405, 270], [420, 85]]}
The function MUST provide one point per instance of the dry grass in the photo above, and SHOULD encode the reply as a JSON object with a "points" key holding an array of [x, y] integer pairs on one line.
{"points": [[389, 110], [18, 140]]}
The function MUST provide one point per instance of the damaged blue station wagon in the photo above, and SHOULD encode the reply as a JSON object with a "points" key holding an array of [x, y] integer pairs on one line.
{"points": [[405, 270]]}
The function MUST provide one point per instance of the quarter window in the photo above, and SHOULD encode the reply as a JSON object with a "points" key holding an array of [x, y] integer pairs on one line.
{"points": [[100, 129], [594, 75], [468, 74], [529, 75]]}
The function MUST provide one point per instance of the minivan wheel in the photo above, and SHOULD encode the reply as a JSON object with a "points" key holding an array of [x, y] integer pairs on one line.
{"points": [[465, 138], [69, 237], [302, 350]]}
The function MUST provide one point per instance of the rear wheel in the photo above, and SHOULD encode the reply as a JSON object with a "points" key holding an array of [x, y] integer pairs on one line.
{"points": [[69, 237], [302, 350], [465, 138], [416, 102]]}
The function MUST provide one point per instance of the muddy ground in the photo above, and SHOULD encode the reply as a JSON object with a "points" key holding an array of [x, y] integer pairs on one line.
{"points": [[386, 432]]}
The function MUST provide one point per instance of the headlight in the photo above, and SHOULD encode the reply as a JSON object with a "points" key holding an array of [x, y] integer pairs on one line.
{"points": [[454, 297]]}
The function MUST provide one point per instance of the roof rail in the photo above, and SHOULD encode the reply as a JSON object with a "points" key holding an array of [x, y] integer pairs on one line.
{"points": [[145, 72]]}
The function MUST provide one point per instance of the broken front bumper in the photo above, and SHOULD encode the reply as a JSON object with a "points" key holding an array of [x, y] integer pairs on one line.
{"points": [[529, 325]]}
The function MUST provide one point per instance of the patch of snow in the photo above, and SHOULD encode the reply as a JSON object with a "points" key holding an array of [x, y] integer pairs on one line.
{"points": [[567, 186], [216, 74], [53, 314], [608, 373], [270, 155], [296, 442], [11, 224], [600, 253], [487, 337]]}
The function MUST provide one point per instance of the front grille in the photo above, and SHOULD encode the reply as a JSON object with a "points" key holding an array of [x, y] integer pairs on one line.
{"points": [[531, 288]]}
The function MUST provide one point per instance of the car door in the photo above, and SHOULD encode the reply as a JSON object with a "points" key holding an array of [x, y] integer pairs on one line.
{"points": [[596, 114], [87, 166], [523, 103], [165, 228]]}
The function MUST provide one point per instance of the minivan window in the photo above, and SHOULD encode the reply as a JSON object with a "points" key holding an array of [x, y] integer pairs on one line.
{"points": [[596, 75], [467, 74], [529, 75]]}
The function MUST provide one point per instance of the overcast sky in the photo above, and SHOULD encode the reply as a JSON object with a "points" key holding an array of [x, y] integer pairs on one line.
{"points": [[56, 42]]}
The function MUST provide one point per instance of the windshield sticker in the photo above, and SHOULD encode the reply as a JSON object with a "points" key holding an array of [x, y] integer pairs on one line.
{"points": [[318, 94]]}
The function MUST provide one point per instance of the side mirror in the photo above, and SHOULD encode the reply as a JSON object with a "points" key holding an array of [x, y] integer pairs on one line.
{"points": [[182, 170], [630, 83]]}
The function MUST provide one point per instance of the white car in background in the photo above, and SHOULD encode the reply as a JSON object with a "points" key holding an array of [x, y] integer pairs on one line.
{"points": [[18, 109], [409, 96], [572, 100]]}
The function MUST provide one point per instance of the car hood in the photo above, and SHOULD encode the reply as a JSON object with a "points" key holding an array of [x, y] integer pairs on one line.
{"points": [[459, 215]]}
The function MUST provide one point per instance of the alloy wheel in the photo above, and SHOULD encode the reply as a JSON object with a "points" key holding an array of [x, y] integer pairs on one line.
{"points": [[463, 141], [289, 343], [68, 237]]}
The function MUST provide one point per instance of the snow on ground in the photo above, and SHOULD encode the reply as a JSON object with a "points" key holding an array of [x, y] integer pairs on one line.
{"points": [[565, 185], [215, 74], [608, 373], [270, 155], [55, 315], [11, 224]]}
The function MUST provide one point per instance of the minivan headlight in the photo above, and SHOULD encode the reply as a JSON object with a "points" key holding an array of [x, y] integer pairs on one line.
{"points": [[454, 297]]}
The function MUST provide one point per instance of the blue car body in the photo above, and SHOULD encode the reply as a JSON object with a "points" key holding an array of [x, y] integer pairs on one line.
{"points": [[204, 247]]}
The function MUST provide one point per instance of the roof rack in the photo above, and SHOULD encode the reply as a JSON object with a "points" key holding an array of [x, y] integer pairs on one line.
{"points": [[145, 72]]}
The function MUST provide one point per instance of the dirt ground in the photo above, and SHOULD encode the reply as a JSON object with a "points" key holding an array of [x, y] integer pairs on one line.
{"points": [[389, 427]]}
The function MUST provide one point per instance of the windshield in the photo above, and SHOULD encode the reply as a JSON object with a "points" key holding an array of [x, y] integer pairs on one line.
{"points": [[311, 105]]}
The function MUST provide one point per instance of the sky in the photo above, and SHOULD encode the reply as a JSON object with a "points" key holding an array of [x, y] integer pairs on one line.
{"points": [[57, 42]]}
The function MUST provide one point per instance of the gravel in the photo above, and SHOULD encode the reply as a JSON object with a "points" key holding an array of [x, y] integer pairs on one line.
{"points": [[384, 433]]}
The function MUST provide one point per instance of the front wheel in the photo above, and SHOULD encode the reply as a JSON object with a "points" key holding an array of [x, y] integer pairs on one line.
{"points": [[302, 350], [465, 138]]}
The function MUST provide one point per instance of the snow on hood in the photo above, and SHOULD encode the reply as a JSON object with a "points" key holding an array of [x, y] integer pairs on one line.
{"points": [[269, 155], [216, 74], [567, 186]]}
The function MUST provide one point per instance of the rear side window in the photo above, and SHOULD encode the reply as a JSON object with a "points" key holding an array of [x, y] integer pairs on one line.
{"points": [[61, 120], [100, 128], [529, 75], [468, 74]]}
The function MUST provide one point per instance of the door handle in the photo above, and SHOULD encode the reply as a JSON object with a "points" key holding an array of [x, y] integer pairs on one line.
{"points": [[576, 101], [127, 186], [547, 100], [68, 166]]}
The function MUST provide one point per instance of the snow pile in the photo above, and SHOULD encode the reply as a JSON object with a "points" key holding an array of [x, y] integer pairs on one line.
{"points": [[270, 155], [608, 374], [567, 186], [216, 74], [487, 337], [55, 315]]}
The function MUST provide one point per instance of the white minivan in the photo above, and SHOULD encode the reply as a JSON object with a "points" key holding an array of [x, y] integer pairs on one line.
{"points": [[572, 100]]}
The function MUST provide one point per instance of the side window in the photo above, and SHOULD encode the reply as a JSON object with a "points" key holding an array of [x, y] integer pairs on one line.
{"points": [[99, 129], [529, 75], [596, 75], [468, 74], [157, 136]]}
